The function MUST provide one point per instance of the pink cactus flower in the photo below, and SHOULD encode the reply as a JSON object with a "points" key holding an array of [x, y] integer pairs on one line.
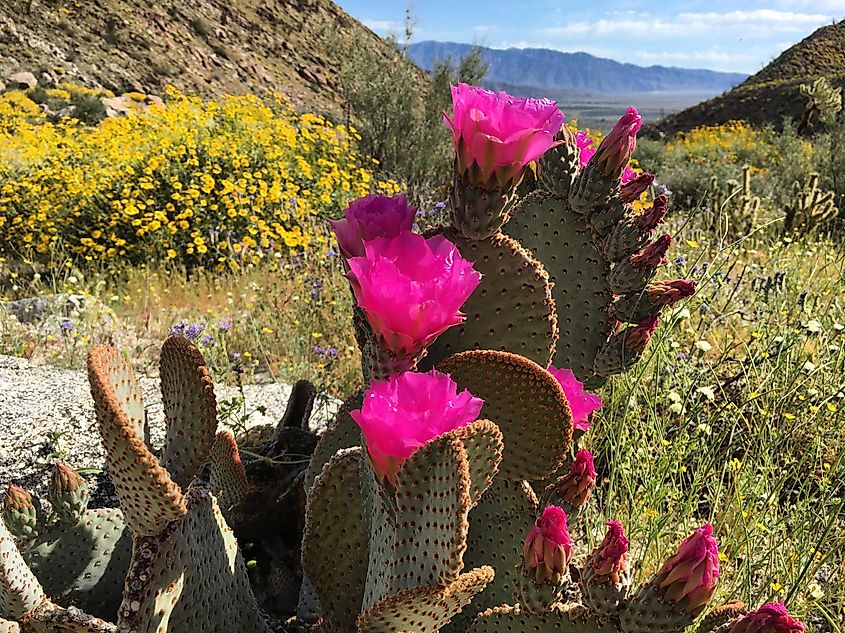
{"points": [[404, 412], [582, 403], [548, 546], [666, 293], [616, 148], [637, 337], [574, 487], [586, 146], [499, 134], [770, 618], [411, 289], [689, 577], [628, 175], [370, 217], [610, 559]]}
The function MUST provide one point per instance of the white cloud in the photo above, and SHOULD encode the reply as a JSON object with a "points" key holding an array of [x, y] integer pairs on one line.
{"points": [[748, 24], [383, 26]]}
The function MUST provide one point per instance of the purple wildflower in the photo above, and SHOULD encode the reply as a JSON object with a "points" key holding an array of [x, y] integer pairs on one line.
{"points": [[206, 340], [66, 325], [225, 326]]}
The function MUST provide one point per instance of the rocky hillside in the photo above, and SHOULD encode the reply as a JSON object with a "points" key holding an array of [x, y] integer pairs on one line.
{"points": [[207, 47], [771, 94]]}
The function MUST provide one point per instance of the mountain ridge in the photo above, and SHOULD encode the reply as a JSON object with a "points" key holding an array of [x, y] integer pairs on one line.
{"points": [[550, 69]]}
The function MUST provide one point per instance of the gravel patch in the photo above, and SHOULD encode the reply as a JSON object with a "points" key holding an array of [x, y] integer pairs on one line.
{"points": [[45, 412]]}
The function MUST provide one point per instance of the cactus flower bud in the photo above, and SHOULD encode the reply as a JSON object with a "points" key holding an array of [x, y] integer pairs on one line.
{"points": [[609, 561], [69, 493], [574, 488], [649, 219], [652, 255], [616, 148], [548, 547], [411, 289], [496, 136], [689, 577], [636, 338], [634, 184], [19, 512], [370, 217], [770, 618], [665, 293], [582, 403], [402, 413]]}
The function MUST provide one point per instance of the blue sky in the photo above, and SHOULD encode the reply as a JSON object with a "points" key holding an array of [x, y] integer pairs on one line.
{"points": [[717, 34]]}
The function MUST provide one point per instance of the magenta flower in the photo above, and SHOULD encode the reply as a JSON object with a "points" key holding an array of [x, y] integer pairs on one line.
{"points": [[616, 148], [404, 412], [581, 402], [586, 146], [634, 184], [548, 546], [574, 487], [370, 217], [609, 561], [411, 289], [689, 577], [499, 134], [770, 618]]}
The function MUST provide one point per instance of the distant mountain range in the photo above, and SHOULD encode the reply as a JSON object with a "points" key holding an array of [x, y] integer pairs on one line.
{"points": [[562, 72]]}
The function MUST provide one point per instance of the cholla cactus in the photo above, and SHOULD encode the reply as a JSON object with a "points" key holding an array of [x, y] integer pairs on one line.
{"points": [[734, 207], [811, 207], [823, 102]]}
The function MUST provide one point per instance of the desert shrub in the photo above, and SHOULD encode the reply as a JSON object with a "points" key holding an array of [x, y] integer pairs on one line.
{"points": [[218, 183]]}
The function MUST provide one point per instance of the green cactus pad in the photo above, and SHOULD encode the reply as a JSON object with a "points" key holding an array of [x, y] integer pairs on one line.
{"points": [[604, 598], [525, 402], [334, 548], [20, 591], [51, 618], [511, 309], [418, 531], [190, 409], [647, 612], [534, 597], [148, 496], [227, 477], [562, 618], [497, 529], [190, 578], [565, 244], [484, 444], [19, 513], [84, 564], [424, 609], [117, 382], [342, 433]]}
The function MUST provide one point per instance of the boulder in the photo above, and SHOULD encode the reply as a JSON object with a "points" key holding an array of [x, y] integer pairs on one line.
{"points": [[23, 80]]}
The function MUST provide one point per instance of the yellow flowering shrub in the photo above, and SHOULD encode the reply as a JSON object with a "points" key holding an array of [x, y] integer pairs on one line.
{"points": [[218, 183], [734, 142]]}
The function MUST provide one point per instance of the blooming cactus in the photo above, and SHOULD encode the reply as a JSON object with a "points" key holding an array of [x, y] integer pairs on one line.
{"points": [[411, 289], [610, 559], [402, 413], [371, 217], [770, 618], [689, 577], [496, 136], [582, 403], [548, 546]]}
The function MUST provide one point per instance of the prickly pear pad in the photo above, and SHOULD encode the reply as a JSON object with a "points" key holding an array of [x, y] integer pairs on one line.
{"points": [[334, 550], [342, 433], [190, 577], [525, 402], [84, 564], [424, 609], [562, 240], [508, 618], [148, 496], [20, 591], [512, 308], [190, 409], [227, 479]]}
